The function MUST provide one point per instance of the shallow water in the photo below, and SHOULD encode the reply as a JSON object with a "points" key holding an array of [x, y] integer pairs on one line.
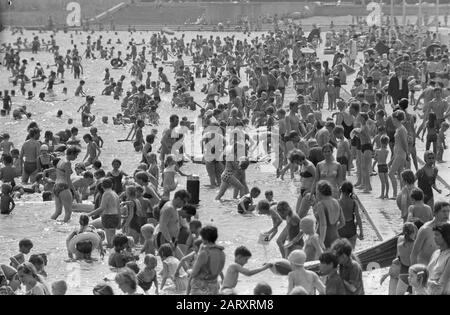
{"points": [[31, 218]]}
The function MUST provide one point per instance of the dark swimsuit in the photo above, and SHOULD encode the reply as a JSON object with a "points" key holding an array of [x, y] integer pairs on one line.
{"points": [[347, 129], [349, 230], [305, 174], [117, 182], [332, 230], [146, 286]]}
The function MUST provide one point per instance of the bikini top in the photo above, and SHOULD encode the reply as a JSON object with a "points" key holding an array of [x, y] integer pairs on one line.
{"points": [[306, 174]]}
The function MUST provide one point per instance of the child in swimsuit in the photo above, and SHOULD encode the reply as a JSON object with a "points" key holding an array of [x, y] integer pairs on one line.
{"points": [[170, 183], [134, 218], [381, 156], [92, 150], [147, 276], [147, 232], [7, 204], [343, 153], [299, 276], [170, 264], [313, 248], [45, 159], [246, 203]]}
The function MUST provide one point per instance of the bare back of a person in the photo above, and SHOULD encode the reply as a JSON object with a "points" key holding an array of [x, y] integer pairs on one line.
{"points": [[304, 279], [112, 203], [30, 150], [172, 223], [429, 245], [333, 208]]}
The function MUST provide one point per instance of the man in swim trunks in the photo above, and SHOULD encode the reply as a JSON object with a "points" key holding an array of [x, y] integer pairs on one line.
{"points": [[168, 139], [292, 120], [29, 154], [425, 245], [109, 211], [169, 221]]}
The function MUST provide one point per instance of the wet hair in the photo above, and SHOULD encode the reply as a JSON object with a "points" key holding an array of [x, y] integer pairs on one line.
{"points": [[417, 194], [444, 229], [107, 183], [242, 251], [150, 138], [262, 288], [165, 251], [209, 233], [182, 194], [84, 247], [263, 206], [403, 104], [195, 224], [328, 258], [120, 240], [342, 246], [439, 205], [327, 146], [408, 177], [88, 174], [384, 140], [409, 229], [347, 188], [324, 188], [399, 115], [84, 220], [73, 150], [7, 159], [255, 190], [338, 130], [100, 173], [26, 243], [37, 260], [127, 276], [142, 176], [133, 266], [190, 210]]}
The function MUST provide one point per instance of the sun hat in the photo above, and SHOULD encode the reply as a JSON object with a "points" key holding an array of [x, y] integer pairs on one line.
{"points": [[44, 147], [297, 257]]}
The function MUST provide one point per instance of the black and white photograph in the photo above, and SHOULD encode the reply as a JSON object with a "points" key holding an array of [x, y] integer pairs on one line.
{"points": [[211, 149]]}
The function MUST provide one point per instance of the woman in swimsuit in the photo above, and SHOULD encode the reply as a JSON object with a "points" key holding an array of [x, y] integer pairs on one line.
{"points": [[116, 176], [229, 176], [426, 178], [208, 266], [307, 174], [291, 233], [400, 152], [63, 186], [328, 213], [351, 214], [363, 134], [329, 170]]}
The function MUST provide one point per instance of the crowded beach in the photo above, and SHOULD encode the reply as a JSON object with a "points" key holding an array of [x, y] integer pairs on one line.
{"points": [[207, 163]]}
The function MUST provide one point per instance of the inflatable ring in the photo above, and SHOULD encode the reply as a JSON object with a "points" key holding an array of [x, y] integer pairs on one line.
{"points": [[86, 236], [117, 63], [281, 267]]}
